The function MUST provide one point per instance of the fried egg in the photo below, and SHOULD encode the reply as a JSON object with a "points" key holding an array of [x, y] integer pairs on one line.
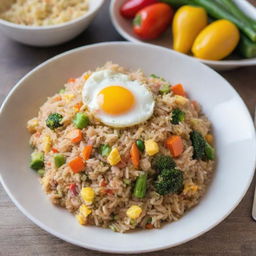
{"points": [[116, 100]]}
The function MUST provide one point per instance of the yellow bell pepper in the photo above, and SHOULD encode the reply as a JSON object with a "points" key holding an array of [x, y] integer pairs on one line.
{"points": [[187, 23], [216, 41]]}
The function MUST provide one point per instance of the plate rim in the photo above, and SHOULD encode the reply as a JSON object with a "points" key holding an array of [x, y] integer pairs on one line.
{"points": [[113, 250]]}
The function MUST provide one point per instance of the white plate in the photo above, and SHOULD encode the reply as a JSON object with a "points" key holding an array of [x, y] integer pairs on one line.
{"points": [[124, 28], [233, 128]]}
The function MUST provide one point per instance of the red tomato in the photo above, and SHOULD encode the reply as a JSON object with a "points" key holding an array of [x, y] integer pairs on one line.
{"points": [[131, 7], [152, 21]]}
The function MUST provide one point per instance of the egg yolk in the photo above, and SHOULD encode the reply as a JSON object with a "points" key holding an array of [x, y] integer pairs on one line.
{"points": [[115, 100]]}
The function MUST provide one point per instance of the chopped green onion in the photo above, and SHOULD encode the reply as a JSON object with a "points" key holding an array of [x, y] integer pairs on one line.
{"points": [[104, 149], [140, 186], [37, 160], [127, 181], [209, 151], [164, 88], [62, 90], [81, 120], [59, 160]]}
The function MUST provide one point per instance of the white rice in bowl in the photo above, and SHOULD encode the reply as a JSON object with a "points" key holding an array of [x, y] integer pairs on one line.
{"points": [[112, 187]]}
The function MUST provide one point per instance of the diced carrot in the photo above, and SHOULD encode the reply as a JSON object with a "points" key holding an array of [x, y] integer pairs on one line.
{"points": [[78, 106], [149, 226], [77, 164], [86, 153], [178, 89], [71, 80], [175, 145], [57, 98], [135, 155], [209, 138], [54, 150], [76, 135]]}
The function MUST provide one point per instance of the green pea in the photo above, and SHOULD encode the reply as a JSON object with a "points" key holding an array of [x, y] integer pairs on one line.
{"points": [[140, 145]]}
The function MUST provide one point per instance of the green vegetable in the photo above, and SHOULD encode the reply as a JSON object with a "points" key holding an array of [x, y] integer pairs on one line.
{"points": [[61, 90], [198, 144], [54, 121], [169, 181], [37, 161], [209, 151], [217, 11], [113, 228], [140, 186], [140, 144], [59, 160], [127, 181], [149, 220], [104, 149], [161, 162], [154, 76], [81, 120], [41, 172], [246, 47], [177, 3], [158, 77], [202, 150], [177, 116], [164, 88], [238, 13]]}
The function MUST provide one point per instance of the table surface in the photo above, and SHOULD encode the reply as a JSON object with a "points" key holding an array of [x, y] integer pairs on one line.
{"points": [[236, 235]]}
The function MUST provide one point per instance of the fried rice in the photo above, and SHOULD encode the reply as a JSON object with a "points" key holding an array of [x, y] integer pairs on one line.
{"points": [[113, 185]]}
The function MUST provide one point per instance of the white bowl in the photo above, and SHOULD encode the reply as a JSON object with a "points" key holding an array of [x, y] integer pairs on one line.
{"points": [[51, 35], [124, 28], [233, 128]]}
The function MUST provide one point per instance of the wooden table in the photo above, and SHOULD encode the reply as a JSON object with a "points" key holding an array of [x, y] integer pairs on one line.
{"points": [[236, 235]]}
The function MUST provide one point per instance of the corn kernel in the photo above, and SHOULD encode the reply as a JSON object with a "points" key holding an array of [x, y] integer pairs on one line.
{"points": [[151, 147], [209, 138], [114, 157], [87, 194], [84, 210], [180, 100], [68, 97], [81, 219], [46, 144], [86, 76], [190, 189], [134, 212], [32, 125]]}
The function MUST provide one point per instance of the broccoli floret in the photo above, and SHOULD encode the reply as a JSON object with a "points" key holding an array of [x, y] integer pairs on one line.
{"points": [[177, 116], [169, 181], [54, 121], [161, 162], [202, 150]]}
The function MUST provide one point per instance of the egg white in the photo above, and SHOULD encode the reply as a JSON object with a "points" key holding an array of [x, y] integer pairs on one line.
{"points": [[144, 103]]}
